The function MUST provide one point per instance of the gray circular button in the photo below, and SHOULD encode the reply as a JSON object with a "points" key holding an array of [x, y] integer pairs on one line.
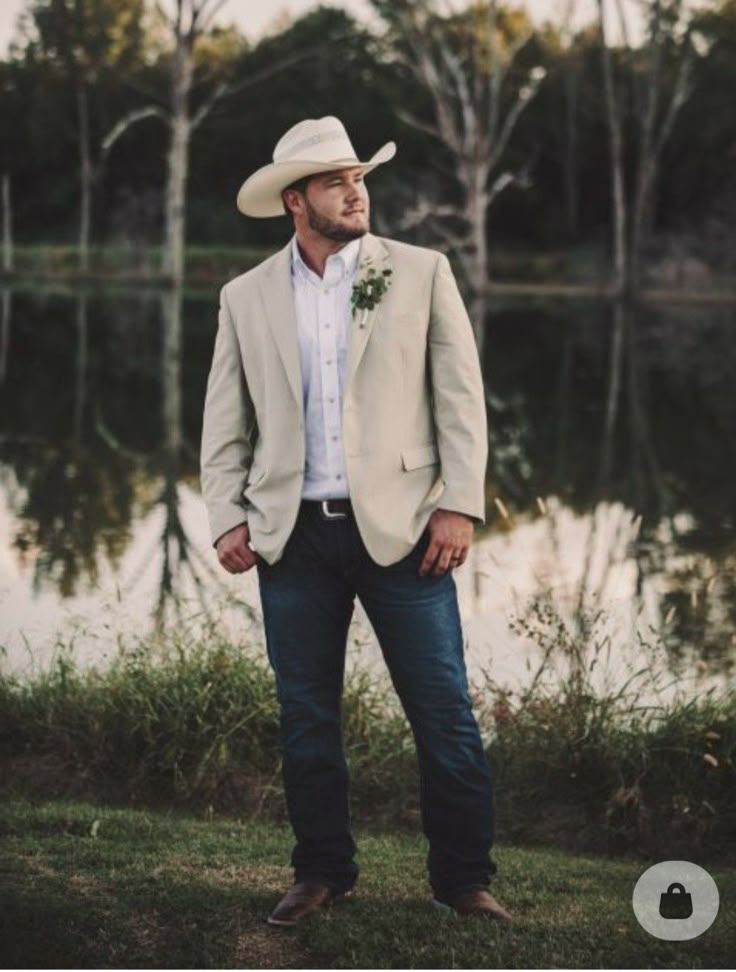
{"points": [[675, 900]]}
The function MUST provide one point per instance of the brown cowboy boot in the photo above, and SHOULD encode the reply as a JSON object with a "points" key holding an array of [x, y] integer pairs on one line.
{"points": [[476, 902], [303, 899]]}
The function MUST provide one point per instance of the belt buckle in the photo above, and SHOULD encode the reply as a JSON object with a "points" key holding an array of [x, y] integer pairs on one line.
{"points": [[324, 507]]}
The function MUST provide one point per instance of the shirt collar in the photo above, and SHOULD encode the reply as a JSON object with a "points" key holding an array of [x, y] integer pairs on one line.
{"points": [[346, 260]]}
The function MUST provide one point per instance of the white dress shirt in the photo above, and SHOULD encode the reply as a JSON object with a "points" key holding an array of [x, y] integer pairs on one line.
{"points": [[323, 316]]}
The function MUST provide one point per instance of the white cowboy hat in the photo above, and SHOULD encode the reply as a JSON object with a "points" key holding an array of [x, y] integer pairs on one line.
{"points": [[313, 145]]}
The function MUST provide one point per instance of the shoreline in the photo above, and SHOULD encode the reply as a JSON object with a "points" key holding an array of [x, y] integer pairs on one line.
{"points": [[497, 288]]}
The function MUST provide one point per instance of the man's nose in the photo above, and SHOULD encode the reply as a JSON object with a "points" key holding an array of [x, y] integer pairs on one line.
{"points": [[355, 192]]}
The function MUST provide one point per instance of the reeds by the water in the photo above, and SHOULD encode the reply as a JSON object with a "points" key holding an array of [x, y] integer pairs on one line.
{"points": [[194, 723]]}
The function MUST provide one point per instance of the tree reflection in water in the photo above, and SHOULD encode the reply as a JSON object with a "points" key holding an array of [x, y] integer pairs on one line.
{"points": [[610, 446]]}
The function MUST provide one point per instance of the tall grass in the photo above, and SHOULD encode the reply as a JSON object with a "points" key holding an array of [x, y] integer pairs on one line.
{"points": [[193, 721], [201, 262], [636, 764]]}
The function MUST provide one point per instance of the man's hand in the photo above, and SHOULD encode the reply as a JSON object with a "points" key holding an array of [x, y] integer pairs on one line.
{"points": [[451, 535], [233, 551]]}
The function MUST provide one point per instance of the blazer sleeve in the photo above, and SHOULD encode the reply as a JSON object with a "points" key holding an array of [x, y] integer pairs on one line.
{"points": [[228, 431], [458, 398]]}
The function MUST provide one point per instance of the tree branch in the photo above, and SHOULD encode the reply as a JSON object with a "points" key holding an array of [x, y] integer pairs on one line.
{"points": [[206, 24], [125, 123], [421, 126]]}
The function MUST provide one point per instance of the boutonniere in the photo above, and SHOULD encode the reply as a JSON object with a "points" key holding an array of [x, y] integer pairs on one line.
{"points": [[369, 292]]}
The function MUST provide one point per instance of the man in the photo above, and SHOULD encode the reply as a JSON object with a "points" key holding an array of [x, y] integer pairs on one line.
{"points": [[344, 448]]}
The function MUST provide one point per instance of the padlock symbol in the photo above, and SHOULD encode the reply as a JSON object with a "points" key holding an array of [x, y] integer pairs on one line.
{"points": [[675, 902]]}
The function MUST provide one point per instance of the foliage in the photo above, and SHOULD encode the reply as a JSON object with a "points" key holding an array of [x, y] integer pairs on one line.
{"points": [[362, 82], [193, 720]]}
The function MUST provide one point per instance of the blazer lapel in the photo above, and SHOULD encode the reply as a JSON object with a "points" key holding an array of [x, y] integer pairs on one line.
{"points": [[278, 300], [277, 294], [373, 254]]}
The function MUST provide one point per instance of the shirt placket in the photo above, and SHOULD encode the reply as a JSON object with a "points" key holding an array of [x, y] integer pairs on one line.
{"points": [[328, 348]]}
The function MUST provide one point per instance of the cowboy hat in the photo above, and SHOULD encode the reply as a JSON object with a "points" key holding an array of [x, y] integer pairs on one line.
{"points": [[311, 146]]}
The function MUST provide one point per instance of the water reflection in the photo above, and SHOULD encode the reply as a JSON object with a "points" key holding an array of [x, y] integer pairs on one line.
{"points": [[611, 461]]}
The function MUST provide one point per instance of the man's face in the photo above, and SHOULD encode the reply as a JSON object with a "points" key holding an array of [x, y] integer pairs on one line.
{"points": [[337, 205]]}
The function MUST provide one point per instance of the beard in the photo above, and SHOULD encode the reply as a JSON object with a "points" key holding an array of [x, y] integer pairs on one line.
{"points": [[329, 228]]}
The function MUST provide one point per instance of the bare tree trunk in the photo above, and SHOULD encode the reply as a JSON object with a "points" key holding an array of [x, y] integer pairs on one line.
{"points": [[192, 19], [178, 160], [7, 224], [646, 177], [630, 228], [571, 152], [85, 178], [5, 318], [80, 372], [613, 396], [477, 265], [613, 118], [474, 120]]}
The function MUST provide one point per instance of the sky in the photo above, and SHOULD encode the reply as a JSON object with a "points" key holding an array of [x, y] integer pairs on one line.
{"points": [[256, 16]]}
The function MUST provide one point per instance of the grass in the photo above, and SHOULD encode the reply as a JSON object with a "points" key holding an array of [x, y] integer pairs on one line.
{"points": [[574, 272], [83, 885], [191, 722], [203, 263]]}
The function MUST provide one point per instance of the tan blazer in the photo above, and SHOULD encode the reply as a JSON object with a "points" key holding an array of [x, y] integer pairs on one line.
{"points": [[414, 418]]}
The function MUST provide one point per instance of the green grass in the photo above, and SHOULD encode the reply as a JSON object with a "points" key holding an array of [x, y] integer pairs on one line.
{"points": [[190, 720], [206, 263], [85, 885]]}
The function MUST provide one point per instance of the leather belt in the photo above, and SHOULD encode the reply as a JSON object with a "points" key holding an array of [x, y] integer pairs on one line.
{"points": [[332, 509]]}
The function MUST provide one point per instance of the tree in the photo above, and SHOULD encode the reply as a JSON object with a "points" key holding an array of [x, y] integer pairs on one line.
{"points": [[188, 28], [467, 65], [84, 41], [662, 70]]}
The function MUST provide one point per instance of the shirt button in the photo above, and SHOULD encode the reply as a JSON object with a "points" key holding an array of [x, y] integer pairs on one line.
{"points": [[338, 476], [329, 361], [334, 438], [327, 325], [330, 400]]}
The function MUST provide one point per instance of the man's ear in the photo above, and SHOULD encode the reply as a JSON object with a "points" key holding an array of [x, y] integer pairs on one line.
{"points": [[287, 210]]}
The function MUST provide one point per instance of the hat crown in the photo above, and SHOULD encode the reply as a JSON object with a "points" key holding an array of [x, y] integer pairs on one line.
{"points": [[315, 140]]}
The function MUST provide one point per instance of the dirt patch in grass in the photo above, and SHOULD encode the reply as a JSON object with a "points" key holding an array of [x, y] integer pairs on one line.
{"points": [[269, 948]]}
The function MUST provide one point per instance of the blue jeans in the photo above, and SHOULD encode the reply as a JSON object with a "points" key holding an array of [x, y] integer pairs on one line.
{"points": [[307, 598]]}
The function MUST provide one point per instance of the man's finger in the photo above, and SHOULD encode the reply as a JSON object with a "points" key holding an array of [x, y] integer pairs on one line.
{"points": [[429, 557], [444, 561], [235, 561]]}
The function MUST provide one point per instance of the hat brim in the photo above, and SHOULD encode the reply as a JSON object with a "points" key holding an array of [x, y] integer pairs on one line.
{"points": [[260, 194]]}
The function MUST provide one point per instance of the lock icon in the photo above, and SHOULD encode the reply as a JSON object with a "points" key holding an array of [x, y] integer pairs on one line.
{"points": [[675, 902]]}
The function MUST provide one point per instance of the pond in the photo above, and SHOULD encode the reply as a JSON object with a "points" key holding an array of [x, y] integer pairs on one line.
{"points": [[611, 527]]}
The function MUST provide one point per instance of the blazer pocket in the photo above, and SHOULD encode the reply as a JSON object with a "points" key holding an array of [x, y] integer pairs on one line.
{"points": [[417, 456]]}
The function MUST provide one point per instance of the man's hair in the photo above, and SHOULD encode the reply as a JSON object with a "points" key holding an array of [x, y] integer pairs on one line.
{"points": [[300, 185]]}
